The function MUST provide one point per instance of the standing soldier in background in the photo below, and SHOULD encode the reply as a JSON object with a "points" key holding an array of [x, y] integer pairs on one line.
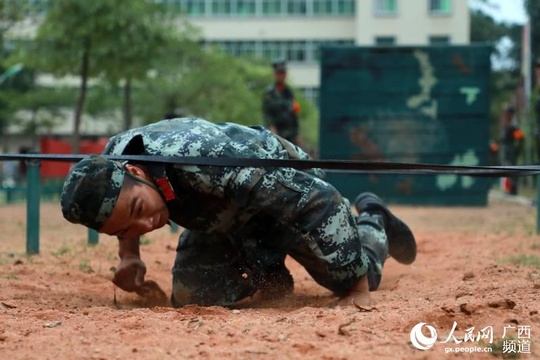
{"points": [[511, 145], [280, 108]]}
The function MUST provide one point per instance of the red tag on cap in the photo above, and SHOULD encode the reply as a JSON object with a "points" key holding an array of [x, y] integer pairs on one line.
{"points": [[166, 189]]}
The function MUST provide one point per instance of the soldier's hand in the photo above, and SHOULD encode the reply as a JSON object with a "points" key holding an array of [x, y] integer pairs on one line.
{"points": [[129, 275], [358, 296]]}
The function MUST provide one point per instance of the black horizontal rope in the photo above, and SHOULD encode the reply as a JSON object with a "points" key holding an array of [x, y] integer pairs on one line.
{"points": [[342, 166]]}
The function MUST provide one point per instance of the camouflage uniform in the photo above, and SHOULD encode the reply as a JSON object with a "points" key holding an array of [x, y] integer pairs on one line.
{"points": [[278, 111], [241, 222]]}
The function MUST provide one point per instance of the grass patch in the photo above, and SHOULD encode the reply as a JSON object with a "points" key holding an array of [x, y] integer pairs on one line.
{"points": [[11, 276], [84, 266], [61, 251], [523, 260], [145, 241]]}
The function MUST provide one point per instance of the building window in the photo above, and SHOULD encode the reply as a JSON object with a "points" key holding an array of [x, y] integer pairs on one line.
{"points": [[245, 7], [221, 7], [385, 40], [385, 7], [346, 7], [296, 51], [296, 7], [271, 50], [440, 7], [439, 40], [195, 7], [322, 7], [233, 8], [272, 7], [305, 51]]}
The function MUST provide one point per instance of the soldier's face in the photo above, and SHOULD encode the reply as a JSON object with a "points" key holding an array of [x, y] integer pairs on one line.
{"points": [[280, 76], [138, 210]]}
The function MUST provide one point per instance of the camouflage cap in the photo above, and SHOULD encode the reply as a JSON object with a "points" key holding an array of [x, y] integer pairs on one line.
{"points": [[91, 190], [279, 65]]}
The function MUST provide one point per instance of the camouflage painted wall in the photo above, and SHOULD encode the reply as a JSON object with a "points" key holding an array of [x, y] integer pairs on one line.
{"points": [[407, 104]]}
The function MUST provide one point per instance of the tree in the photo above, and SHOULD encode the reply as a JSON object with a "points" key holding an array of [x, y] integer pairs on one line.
{"points": [[65, 45], [10, 13], [115, 40], [485, 29], [532, 7], [132, 45], [139, 36], [40, 109], [505, 79], [211, 84]]}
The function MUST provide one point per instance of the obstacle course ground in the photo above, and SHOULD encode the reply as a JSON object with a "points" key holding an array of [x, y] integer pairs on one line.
{"points": [[476, 268]]}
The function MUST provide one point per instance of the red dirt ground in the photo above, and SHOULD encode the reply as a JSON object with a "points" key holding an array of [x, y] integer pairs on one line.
{"points": [[60, 304]]}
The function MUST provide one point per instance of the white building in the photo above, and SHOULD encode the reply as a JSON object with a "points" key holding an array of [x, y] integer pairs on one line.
{"points": [[295, 29]]}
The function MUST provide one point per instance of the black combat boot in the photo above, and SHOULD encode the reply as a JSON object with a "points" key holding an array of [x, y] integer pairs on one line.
{"points": [[401, 242]]}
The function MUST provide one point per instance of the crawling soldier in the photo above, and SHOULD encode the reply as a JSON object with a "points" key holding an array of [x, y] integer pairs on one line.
{"points": [[240, 222]]}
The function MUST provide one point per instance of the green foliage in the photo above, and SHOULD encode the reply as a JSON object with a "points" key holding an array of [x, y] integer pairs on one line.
{"points": [[505, 81], [42, 108], [485, 29], [85, 267], [215, 86], [145, 241], [133, 42], [532, 8], [10, 12], [309, 124], [524, 260], [61, 251], [115, 40], [12, 88]]}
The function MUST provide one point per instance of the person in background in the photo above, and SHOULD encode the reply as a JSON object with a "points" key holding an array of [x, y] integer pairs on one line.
{"points": [[279, 106], [511, 145]]}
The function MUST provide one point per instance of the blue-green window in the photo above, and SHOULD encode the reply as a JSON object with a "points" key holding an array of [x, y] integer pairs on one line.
{"points": [[439, 40], [304, 51], [221, 7], [272, 7], [385, 40], [322, 7], [196, 7], [440, 7], [245, 7], [385, 7], [346, 7], [296, 7]]}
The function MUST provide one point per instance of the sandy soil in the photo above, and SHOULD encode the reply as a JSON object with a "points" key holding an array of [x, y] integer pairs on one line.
{"points": [[62, 305]]}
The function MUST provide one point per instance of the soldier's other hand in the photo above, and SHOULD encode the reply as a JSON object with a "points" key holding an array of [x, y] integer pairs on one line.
{"points": [[129, 275], [358, 296]]}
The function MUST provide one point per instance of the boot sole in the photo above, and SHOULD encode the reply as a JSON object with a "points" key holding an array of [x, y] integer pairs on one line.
{"points": [[401, 241]]}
